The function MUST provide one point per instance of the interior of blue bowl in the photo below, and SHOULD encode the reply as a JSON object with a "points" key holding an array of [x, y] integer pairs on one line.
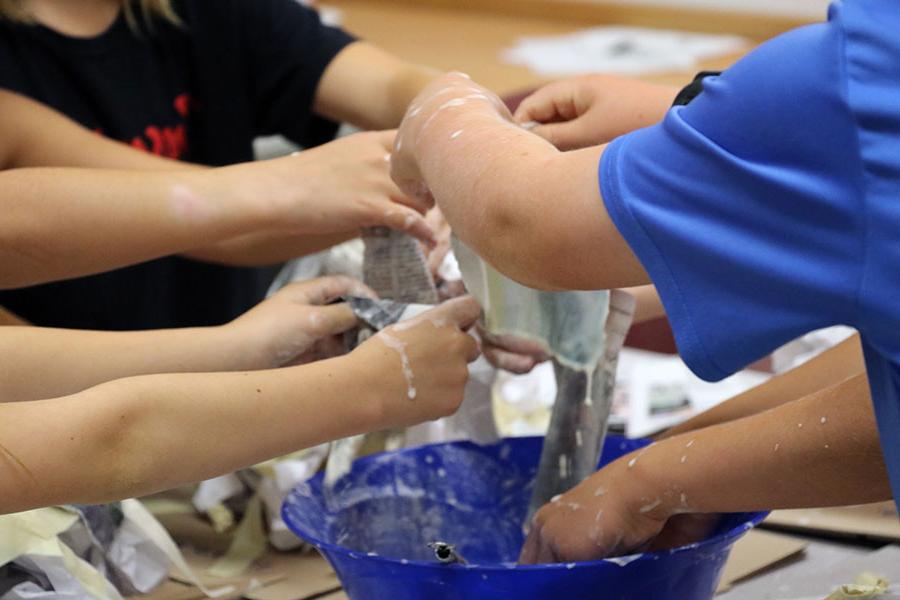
{"points": [[475, 497]]}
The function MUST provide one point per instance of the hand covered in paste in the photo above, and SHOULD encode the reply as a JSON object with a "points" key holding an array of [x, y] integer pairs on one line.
{"points": [[449, 96], [419, 365], [615, 512]]}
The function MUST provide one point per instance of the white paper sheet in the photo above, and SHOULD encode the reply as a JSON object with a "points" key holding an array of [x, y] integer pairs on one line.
{"points": [[621, 50]]}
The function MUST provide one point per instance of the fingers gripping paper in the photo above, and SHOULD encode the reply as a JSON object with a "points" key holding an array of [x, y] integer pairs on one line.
{"points": [[583, 332], [394, 267]]}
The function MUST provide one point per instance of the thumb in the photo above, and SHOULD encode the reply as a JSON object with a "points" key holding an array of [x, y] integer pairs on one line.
{"points": [[323, 290], [553, 102], [331, 320], [462, 312], [565, 136]]}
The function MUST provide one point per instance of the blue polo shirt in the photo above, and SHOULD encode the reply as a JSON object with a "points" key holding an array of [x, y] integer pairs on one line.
{"points": [[770, 205]]}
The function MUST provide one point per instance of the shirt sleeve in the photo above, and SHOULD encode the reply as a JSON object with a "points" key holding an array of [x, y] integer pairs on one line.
{"points": [[289, 49], [746, 207]]}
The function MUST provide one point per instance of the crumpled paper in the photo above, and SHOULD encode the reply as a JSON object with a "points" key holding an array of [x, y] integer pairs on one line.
{"points": [[866, 587], [85, 552]]}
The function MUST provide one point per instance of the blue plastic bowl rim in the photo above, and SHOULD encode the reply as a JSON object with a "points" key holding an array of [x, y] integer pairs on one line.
{"points": [[726, 536]]}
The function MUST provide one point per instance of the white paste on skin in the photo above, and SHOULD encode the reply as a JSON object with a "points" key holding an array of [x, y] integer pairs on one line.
{"points": [[689, 444], [563, 467], [456, 134], [400, 348], [684, 459], [451, 103], [556, 498], [632, 462], [600, 491], [188, 206], [598, 515], [823, 420], [647, 508]]}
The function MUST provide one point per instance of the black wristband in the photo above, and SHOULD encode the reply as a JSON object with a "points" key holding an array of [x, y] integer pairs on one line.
{"points": [[693, 89]]}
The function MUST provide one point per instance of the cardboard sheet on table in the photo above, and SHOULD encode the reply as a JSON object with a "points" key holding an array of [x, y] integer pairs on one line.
{"points": [[756, 551], [277, 576], [877, 521], [818, 583]]}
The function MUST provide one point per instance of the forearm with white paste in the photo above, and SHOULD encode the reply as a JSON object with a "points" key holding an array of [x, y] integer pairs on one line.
{"points": [[822, 450], [531, 211], [828, 368], [143, 434], [60, 223]]}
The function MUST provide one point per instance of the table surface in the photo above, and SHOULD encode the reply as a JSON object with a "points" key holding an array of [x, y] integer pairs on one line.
{"points": [[470, 40]]}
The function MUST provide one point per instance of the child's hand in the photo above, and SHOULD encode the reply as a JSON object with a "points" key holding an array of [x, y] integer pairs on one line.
{"points": [[613, 512], [297, 324], [510, 353], [419, 366], [443, 97], [593, 109], [341, 186]]}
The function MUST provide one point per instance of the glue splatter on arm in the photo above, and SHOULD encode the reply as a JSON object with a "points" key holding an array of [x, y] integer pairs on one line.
{"points": [[759, 462], [118, 439], [499, 184]]}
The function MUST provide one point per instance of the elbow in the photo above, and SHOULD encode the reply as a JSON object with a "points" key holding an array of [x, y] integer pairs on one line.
{"points": [[520, 248], [117, 439]]}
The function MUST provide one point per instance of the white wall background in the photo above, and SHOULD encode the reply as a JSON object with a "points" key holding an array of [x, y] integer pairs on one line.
{"points": [[814, 9]]}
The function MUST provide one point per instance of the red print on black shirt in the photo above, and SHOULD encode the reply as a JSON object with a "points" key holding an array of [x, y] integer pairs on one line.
{"points": [[167, 141]]}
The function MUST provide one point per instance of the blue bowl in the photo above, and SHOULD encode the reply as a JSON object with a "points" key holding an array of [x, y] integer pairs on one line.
{"points": [[375, 524]]}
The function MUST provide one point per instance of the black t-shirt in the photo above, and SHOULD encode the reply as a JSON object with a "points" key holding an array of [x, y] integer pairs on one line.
{"points": [[201, 92]]}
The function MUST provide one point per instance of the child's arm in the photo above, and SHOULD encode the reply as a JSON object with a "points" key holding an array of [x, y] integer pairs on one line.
{"points": [[369, 87], [142, 434], [45, 363], [61, 223], [531, 211], [648, 305], [7, 318], [348, 175], [822, 450], [828, 368], [37, 136], [594, 109]]}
